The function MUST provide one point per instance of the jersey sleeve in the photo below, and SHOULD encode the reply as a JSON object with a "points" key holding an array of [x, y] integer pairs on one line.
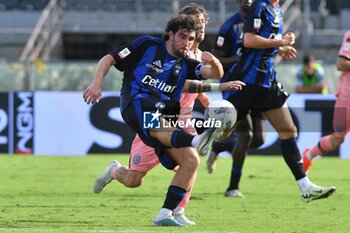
{"points": [[254, 18], [129, 53], [345, 46], [224, 39], [194, 69]]}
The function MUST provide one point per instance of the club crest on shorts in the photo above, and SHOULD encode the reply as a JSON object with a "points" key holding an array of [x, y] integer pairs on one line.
{"points": [[136, 159]]}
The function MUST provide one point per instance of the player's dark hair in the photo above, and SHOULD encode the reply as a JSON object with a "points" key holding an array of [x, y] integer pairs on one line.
{"points": [[308, 58], [194, 9], [178, 22]]}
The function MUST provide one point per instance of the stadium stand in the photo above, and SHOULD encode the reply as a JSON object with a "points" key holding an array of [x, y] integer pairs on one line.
{"points": [[91, 28]]}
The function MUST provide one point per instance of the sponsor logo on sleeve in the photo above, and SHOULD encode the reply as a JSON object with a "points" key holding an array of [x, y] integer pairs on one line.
{"points": [[124, 53], [220, 41], [346, 46], [257, 24]]}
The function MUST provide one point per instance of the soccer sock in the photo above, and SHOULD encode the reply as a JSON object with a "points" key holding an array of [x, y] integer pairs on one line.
{"points": [[304, 184], [180, 138], [236, 174], [291, 155], [225, 145], [173, 197], [322, 147], [185, 200], [114, 171]]}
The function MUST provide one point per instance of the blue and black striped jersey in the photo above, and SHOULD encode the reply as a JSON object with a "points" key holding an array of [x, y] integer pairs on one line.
{"points": [[230, 38], [256, 65], [150, 71]]}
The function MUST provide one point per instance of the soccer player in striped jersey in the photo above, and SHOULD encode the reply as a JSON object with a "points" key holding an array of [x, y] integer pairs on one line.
{"points": [[262, 41], [341, 117], [142, 157], [251, 129], [154, 88]]}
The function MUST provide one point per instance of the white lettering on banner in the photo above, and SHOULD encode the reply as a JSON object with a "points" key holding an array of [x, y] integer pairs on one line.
{"points": [[3, 124], [24, 122]]}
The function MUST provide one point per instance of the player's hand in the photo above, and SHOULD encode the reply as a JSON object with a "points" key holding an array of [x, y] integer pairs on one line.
{"points": [[204, 99], [207, 57], [289, 38], [232, 85], [92, 94], [289, 53]]}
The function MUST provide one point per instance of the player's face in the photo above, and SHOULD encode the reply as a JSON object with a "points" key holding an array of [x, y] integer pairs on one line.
{"points": [[182, 41], [245, 4], [201, 30]]}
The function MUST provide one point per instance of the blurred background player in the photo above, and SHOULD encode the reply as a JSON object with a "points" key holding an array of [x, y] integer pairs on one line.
{"points": [[251, 129], [341, 116], [154, 84], [262, 40], [310, 77], [142, 157]]}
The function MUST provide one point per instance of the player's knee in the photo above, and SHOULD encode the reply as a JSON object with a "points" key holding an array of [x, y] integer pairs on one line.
{"points": [[133, 183], [288, 131], [337, 140], [190, 162], [244, 138]]}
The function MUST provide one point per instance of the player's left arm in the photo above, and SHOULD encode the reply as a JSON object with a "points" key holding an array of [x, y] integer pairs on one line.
{"points": [[193, 86], [212, 68]]}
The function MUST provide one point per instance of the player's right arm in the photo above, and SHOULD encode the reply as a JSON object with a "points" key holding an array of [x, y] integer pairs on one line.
{"points": [[225, 43], [254, 23], [121, 58], [255, 41], [92, 93]]}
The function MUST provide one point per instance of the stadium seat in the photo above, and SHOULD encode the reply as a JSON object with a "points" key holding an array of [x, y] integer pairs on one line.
{"points": [[32, 5], [7, 5]]}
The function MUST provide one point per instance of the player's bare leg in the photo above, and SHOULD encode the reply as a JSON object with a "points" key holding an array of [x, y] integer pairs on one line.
{"points": [[188, 160], [129, 178], [244, 136], [259, 133], [123, 174], [282, 121]]}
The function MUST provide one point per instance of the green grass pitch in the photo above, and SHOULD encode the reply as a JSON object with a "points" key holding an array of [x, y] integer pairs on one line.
{"points": [[54, 194]]}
